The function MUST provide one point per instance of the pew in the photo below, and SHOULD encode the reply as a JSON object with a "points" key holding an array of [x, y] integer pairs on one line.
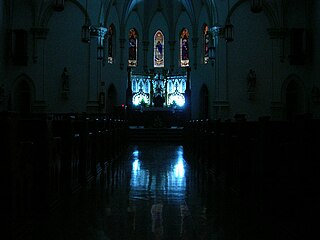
{"points": [[264, 188], [48, 157]]}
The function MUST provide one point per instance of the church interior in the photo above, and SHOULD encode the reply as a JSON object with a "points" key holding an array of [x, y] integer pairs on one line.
{"points": [[159, 119]]}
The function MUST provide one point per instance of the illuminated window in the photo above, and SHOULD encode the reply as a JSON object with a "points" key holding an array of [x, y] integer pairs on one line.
{"points": [[111, 42], [206, 40], [133, 47], [184, 48], [158, 49]]}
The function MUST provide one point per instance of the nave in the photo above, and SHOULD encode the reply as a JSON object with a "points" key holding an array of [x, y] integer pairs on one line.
{"points": [[150, 192]]}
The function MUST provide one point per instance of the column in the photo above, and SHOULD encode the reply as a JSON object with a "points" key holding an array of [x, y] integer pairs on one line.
{"points": [[122, 41], [172, 55], [129, 90], [195, 51], [102, 31], [145, 45], [93, 73], [277, 36], [187, 95], [39, 36], [220, 103]]}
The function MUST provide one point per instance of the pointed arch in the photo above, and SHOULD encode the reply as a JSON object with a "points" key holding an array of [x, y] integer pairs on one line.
{"points": [[268, 11], [212, 11], [158, 45], [49, 11]]}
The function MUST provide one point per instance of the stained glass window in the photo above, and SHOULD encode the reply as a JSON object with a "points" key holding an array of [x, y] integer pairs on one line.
{"points": [[206, 40], [158, 49], [133, 47], [184, 48], [111, 41]]}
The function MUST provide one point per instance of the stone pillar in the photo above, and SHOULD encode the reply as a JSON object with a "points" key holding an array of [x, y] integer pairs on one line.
{"points": [[145, 49], [195, 51], [100, 56], [172, 55], [122, 41], [38, 33], [129, 90], [39, 36], [187, 95], [277, 36], [93, 75], [220, 103]]}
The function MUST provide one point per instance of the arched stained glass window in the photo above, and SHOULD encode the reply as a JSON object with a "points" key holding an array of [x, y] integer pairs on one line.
{"points": [[133, 47], [158, 49], [206, 40], [111, 42], [184, 48]]}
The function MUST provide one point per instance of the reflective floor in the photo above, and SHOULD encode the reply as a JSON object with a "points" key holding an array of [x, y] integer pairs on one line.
{"points": [[150, 193]]}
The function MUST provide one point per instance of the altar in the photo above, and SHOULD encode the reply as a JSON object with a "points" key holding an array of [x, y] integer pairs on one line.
{"points": [[158, 99], [158, 89]]}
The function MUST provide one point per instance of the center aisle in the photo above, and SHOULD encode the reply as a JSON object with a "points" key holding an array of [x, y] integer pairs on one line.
{"points": [[151, 192]]}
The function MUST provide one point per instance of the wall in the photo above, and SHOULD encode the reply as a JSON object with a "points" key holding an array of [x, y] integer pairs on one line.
{"points": [[63, 48], [252, 48]]}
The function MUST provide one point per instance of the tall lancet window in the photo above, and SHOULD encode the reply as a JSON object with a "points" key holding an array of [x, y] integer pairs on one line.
{"points": [[133, 47], [158, 49], [184, 48], [206, 41], [111, 42]]}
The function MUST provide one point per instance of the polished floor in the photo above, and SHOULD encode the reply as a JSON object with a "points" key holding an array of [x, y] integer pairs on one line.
{"points": [[151, 192]]}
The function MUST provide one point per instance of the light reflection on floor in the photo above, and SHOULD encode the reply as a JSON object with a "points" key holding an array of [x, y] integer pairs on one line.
{"points": [[167, 183], [151, 193], [159, 182]]}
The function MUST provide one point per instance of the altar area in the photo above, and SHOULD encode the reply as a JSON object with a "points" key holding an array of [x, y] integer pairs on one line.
{"points": [[158, 99]]}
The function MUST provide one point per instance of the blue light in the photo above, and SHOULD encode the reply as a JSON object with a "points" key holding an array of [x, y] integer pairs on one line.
{"points": [[136, 166], [135, 154], [179, 169]]}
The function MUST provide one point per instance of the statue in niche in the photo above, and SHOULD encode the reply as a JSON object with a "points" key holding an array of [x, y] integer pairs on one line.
{"points": [[251, 80], [65, 79]]}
